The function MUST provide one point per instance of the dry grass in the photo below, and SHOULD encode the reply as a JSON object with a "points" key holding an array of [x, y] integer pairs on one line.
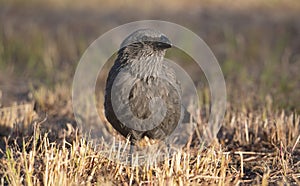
{"points": [[257, 147]]}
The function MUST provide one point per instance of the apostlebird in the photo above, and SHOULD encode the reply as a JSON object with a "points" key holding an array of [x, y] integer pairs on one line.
{"points": [[142, 95]]}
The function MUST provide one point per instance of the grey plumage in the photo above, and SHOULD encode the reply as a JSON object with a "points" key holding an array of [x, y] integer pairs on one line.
{"points": [[138, 78]]}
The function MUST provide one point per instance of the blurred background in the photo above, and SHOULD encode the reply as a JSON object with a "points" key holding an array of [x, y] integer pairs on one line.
{"points": [[257, 44]]}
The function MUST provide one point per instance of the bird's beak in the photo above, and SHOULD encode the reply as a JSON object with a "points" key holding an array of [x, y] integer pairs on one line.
{"points": [[163, 45]]}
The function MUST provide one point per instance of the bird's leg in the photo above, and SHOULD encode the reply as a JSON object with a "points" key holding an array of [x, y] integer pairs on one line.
{"points": [[168, 148]]}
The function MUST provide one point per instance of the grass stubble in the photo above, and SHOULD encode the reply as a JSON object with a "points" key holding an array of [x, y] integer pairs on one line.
{"points": [[257, 147]]}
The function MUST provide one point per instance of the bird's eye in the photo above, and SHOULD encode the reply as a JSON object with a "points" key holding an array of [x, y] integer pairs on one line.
{"points": [[144, 38]]}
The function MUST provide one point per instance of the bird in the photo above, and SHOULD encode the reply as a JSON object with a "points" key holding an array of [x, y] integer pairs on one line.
{"points": [[138, 82]]}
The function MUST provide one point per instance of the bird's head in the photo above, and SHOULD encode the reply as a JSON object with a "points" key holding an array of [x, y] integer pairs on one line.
{"points": [[145, 43]]}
